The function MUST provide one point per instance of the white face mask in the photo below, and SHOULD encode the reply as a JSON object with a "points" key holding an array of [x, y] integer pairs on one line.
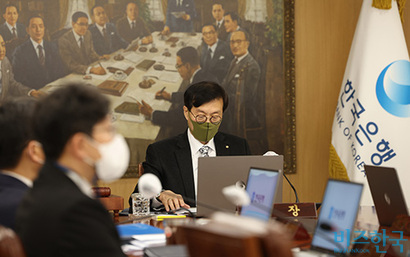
{"points": [[115, 157]]}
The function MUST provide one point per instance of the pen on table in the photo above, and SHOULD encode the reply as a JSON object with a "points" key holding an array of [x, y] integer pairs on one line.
{"points": [[162, 90], [100, 65]]}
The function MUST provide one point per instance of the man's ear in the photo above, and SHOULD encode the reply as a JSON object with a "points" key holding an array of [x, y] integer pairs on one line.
{"points": [[186, 112], [35, 152]]}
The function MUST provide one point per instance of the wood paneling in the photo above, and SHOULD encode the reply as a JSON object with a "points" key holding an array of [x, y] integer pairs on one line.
{"points": [[323, 33]]}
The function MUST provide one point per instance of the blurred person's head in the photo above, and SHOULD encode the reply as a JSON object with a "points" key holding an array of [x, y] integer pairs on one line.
{"points": [[35, 28], [79, 21], [98, 15], [132, 11], [11, 14], [2, 48], [231, 21], [19, 152], [187, 62], [239, 43], [75, 128], [204, 104], [218, 11], [209, 34]]}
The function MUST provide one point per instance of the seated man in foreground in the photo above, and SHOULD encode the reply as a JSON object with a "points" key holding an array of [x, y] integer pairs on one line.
{"points": [[175, 160], [60, 215]]}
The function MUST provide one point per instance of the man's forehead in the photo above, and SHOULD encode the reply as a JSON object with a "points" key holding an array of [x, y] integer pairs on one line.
{"points": [[11, 9], [217, 7], [238, 35]]}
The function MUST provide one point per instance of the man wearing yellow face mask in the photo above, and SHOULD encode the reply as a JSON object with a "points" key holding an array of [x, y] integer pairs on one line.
{"points": [[175, 160]]}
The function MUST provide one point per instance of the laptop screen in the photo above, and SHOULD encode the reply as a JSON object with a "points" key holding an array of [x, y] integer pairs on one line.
{"points": [[261, 187], [337, 216]]}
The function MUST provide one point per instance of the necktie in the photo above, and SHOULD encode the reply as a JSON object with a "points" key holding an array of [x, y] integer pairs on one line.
{"points": [[233, 64], [41, 58], [133, 25], [82, 47], [208, 58], [204, 151], [14, 32], [105, 35]]}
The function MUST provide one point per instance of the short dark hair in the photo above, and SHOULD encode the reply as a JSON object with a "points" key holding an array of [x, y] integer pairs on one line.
{"points": [[95, 6], [203, 92], [131, 2], [68, 110], [210, 24], [16, 130], [218, 3], [10, 5], [189, 55], [234, 16], [32, 17], [78, 15]]}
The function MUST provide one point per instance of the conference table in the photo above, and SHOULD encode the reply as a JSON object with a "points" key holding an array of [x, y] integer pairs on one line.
{"points": [[138, 131], [366, 222]]}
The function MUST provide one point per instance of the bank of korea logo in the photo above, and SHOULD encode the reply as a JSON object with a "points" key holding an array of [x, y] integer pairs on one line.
{"points": [[393, 88]]}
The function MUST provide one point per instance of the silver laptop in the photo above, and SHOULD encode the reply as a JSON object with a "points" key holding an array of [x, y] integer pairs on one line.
{"points": [[386, 192], [337, 217], [215, 173], [261, 187]]}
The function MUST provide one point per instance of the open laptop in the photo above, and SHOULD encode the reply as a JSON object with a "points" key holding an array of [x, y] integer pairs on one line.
{"points": [[215, 173], [261, 187], [386, 192], [336, 218]]}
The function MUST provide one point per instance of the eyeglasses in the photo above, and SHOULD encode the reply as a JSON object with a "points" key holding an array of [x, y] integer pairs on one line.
{"points": [[239, 41], [177, 66], [82, 24], [200, 118], [208, 33]]}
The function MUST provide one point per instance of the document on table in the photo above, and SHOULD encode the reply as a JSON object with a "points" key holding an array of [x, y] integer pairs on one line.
{"points": [[132, 56], [149, 98], [167, 76]]}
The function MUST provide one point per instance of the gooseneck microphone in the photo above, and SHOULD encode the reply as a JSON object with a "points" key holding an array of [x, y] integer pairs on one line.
{"points": [[291, 185]]}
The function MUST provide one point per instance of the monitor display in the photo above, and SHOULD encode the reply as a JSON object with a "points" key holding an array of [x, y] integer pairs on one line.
{"points": [[337, 215], [261, 187]]}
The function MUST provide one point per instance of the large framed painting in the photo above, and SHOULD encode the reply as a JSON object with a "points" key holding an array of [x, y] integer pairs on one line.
{"points": [[262, 93]]}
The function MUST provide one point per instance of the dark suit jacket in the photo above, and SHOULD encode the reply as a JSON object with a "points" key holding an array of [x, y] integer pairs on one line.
{"points": [[57, 219], [220, 61], [129, 34], [170, 160], [10, 87], [173, 122], [114, 43], [179, 24], [12, 191], [7, 35], [222, 34], [27, 68], [71, 53], [11, 43], [243, 78]]}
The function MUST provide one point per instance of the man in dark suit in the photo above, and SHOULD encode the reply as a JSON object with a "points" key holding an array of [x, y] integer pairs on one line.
{"points": [[76, 47], [12, 32], [105, 36], [37, 62], [180, 16], [75, 130], [131, 26], [173, 122], [8, 86], [175, 160], [218, 13], [11, 28], [20, 156], [242, 86], [215, 54]]}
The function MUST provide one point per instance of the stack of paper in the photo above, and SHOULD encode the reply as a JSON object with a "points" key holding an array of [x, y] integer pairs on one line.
{"points": [[141, 235]]}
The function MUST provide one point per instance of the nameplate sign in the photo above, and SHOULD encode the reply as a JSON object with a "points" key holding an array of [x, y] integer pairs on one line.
{"points": [[296, 210]]}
